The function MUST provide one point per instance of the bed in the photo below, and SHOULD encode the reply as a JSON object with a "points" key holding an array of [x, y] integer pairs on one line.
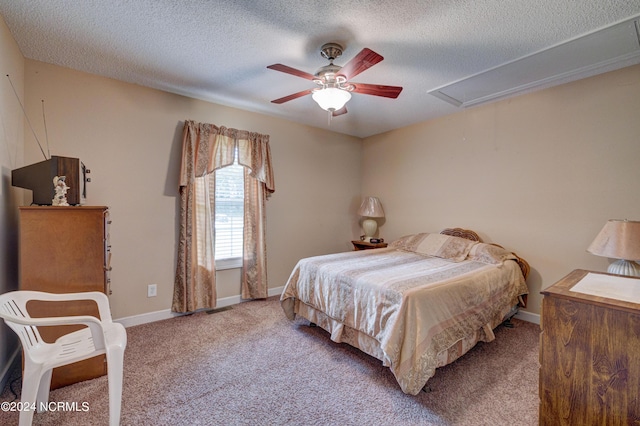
{"points": [[417, 305]]}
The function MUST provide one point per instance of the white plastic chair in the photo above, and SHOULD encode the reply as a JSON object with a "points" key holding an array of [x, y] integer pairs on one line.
{"points": [[101, 336]]}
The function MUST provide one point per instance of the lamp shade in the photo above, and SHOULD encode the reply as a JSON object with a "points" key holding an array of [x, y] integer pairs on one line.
{"points": [[331, 98], [371, 207], [618, 239]]}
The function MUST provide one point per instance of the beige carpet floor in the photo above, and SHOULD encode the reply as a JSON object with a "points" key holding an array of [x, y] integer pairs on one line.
{"points": [[251, 366]]}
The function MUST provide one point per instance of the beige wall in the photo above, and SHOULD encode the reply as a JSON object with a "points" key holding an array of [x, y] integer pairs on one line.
{"points": [[129, 136], [11, 152], [539, 174]]}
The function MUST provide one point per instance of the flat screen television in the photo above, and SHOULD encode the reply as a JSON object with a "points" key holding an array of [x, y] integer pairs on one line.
{"points": [[38, 178]]}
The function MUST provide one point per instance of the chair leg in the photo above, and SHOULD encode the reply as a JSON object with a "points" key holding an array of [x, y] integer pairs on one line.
{"points": [[43, 390], [30, 381], [115, 365]]}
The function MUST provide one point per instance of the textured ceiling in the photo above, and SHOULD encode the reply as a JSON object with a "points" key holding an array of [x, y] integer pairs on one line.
{"points": [[218, 50]]}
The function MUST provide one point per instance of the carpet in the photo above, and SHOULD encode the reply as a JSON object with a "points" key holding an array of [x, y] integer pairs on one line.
{"points": [[251, 366]]}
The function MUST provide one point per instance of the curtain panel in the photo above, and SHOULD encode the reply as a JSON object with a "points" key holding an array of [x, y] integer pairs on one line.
{"points": [[205, 148]]}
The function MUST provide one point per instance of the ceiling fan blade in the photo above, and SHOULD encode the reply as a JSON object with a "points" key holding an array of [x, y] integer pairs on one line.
{"points": [[377, 90], [341, 111], [292, 96], [361, 62], [292, 71]]}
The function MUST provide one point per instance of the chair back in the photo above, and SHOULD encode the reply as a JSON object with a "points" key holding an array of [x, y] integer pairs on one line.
{"points": [[13, 309]]}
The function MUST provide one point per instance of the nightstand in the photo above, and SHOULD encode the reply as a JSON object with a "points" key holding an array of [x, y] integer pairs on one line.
{"points": [[589, 346], [363, 245]]}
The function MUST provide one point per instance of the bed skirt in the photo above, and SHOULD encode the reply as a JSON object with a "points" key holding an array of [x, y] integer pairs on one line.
{"points": [[341, 333]]}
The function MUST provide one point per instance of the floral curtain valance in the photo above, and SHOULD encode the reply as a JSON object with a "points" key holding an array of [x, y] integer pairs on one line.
{"points": [[207, 147]]}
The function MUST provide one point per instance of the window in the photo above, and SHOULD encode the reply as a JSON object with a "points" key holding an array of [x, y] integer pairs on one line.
{"points": [[213, 146], [229, 216]]}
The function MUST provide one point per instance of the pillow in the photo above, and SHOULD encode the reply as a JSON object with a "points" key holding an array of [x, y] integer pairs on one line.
{"points": [[489, 253], [403, 243], [438, 245]]}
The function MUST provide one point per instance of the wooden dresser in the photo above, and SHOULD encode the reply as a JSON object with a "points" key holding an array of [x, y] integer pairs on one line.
{"points": [[589, 357], [65, 250]]}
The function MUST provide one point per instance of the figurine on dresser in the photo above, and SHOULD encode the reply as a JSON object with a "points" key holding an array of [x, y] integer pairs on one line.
{"points": [[61, 188]]}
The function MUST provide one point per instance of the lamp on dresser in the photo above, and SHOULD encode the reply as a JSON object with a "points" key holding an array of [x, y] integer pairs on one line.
{"points": [[369, 209], [619, 239]]}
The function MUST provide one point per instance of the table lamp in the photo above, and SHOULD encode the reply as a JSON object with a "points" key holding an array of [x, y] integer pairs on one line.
{"points": [[619, 239], [370, 208]]}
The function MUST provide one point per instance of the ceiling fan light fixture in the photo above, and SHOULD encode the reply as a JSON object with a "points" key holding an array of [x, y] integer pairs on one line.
{"points": [[331, 98], [334, 87]]}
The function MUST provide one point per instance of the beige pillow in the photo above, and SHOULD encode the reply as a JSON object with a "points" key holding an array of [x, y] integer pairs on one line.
{"points": [[403, 243], [489, 253], [438, 245]]}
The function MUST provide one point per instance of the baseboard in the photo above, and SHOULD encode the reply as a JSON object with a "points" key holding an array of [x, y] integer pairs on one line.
{"points": [[234, 300], [6, 371], [167, 314], [528, 316]]}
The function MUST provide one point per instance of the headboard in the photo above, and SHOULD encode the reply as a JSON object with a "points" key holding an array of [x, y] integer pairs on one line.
{"points": [[473, 236], [462, 233]]}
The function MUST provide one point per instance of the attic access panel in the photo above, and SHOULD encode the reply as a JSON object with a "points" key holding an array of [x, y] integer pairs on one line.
{"points": [[603, 50]]}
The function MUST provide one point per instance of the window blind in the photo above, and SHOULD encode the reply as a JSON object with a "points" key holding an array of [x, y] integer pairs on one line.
{"points": [[229, 212]]}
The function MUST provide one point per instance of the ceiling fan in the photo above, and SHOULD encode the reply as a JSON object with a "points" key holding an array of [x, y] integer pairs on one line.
{"points": [[334, 83]]}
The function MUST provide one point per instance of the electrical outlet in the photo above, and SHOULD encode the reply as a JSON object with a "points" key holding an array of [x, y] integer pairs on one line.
{"points": [[152, 290]]}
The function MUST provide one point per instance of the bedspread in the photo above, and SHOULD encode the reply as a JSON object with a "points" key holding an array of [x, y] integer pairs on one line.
{"points": [[414, 306]]}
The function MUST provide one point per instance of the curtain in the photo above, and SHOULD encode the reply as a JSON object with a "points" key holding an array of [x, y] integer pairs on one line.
{"points": [[205, 148]]}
